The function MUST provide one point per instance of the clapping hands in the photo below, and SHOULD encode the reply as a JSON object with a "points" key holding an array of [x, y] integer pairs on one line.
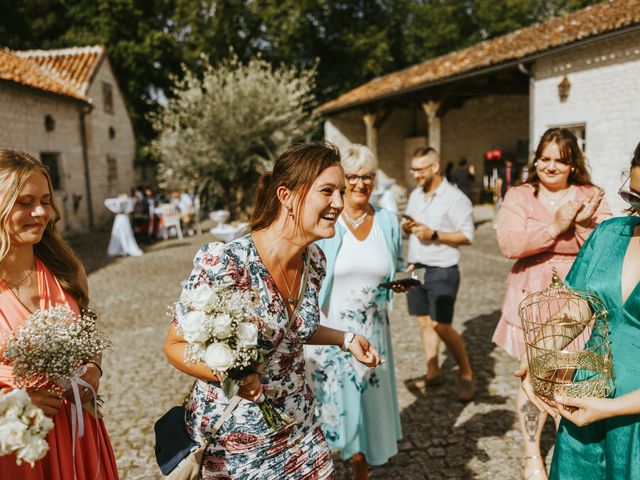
{"points": [[589, 208]]}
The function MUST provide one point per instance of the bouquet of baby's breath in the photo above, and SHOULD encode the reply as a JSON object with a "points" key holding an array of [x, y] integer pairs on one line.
{"points": [[221, 330], [52, 346], [23, 427]]}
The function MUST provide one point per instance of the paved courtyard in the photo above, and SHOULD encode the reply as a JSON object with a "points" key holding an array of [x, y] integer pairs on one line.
{"points": [[443, 438]]}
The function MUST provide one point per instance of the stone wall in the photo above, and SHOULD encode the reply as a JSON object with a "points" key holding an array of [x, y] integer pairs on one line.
{"points": [[120, 148], [482, 124], [604, 97], [22, 121]]}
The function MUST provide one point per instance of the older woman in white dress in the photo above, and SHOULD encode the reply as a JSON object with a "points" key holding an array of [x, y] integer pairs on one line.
{"points": [[358, 406]]}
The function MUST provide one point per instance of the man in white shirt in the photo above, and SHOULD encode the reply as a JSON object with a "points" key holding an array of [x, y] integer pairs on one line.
{"points": [[439, 220]]}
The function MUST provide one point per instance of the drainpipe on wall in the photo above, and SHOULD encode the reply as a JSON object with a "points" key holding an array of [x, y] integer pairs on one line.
{"points": [[84, 111]]}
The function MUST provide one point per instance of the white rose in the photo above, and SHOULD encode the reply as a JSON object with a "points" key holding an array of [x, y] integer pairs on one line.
{"points": [[194, 327], [221, 326], [202, 297], [247, 334], [12, 435], [219, 357], [35, 449]]}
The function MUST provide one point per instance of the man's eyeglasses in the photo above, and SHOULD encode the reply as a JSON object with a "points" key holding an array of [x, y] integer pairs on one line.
{"points": [[366, 179], [629, 196], [420, 169]]}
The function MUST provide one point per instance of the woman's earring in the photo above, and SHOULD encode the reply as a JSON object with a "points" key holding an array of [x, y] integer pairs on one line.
{"points": [[535, 164], [289, 211], [573, 169]]}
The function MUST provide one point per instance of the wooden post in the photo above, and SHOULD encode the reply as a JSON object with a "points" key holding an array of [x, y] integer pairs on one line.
{"points": [[430, 109], [371, 132]]}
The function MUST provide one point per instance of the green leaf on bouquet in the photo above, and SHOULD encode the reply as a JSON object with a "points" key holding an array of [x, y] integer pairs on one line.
{"points": [[230, 387]]}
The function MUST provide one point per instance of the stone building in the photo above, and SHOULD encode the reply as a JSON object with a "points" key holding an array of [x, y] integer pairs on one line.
{"points": [[65, 108], [580, 71]]}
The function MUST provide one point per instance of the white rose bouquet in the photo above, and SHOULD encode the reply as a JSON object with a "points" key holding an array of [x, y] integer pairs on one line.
{"points": [[52, 346], [23, 427], [221, 330]]}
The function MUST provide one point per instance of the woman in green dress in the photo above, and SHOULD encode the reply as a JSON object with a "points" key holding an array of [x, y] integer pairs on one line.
{"points": [[599, 438]]}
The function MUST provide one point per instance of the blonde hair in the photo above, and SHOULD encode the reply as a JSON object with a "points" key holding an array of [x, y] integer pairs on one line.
{"points": [[15, 169], [358, 156]]}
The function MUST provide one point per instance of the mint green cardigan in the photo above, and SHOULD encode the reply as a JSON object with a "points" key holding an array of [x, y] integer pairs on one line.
{"points": [[393, 239]]}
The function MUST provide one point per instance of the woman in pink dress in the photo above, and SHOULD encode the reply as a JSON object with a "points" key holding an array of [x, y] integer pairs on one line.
{"points": [[38, 270], [543, 223]]}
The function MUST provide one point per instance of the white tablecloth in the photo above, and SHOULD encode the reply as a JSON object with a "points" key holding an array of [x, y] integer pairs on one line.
{"points": [[122, 241]]}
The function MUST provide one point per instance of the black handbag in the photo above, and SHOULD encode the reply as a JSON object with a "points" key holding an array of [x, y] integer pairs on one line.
{"points": [[177, 454], [173, 443]]}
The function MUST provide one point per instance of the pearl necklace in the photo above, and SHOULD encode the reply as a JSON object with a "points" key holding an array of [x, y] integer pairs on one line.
{"points": [[357, 222]]}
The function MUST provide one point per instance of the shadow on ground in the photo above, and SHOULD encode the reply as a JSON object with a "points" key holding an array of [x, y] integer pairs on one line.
{"points": [[440, 437]]}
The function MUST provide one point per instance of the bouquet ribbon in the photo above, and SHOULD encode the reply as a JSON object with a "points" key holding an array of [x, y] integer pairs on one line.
{"points": [[77, 414]]}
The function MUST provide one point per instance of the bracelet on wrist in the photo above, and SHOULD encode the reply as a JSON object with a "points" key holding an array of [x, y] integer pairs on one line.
{"points": [[97, 366], [348, 338]]}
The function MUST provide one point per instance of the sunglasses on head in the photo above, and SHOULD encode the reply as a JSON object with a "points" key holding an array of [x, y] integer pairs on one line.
{"points": [[629, 196]]}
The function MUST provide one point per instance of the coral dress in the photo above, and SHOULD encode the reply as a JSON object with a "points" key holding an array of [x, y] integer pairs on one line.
{"points": [[523, 234], [58, 463]]}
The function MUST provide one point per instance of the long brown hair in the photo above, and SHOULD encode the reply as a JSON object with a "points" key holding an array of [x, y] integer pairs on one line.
{"points": [[296, 169], [569, 151], [15, 169]]}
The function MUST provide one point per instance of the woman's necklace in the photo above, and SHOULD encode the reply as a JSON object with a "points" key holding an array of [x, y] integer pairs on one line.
{"points": [[553, 200], [357, 222], [290, 299], [15, 287]]}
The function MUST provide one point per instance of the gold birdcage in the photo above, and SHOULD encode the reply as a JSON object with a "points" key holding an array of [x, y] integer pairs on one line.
{"points": [[567, 342]]}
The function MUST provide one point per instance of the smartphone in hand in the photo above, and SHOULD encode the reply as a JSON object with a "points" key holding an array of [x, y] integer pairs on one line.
{"points": [[408, 218]]}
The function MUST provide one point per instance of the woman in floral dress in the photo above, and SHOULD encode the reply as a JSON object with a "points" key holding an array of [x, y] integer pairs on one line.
{"points": [[358, 406], [296, 205]]}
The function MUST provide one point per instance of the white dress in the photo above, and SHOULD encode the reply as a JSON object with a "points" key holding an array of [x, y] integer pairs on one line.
{"points": [[357, 405]]}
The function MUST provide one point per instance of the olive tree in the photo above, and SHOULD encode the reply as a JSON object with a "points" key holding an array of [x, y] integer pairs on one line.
{"points": [[224, 127]]}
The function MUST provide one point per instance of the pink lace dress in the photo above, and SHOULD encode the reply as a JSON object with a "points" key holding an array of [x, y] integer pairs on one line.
{"points": [[523, 234], [93, 451]]}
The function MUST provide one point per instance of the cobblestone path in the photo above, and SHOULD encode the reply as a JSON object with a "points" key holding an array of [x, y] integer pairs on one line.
{"points": [[443, 438]]}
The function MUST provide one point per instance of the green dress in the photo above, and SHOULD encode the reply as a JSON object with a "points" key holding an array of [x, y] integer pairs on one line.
{"points": [[608, 449]]}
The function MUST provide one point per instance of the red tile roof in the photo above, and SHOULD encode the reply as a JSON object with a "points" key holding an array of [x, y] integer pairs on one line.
{"points": [[66, 72], [598, 19], [74, 66]]}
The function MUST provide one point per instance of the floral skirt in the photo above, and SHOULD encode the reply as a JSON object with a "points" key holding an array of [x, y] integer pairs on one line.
{"points": [[245, 448]]}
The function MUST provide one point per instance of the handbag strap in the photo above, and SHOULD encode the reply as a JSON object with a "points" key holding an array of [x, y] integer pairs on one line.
{"points": [[225, 415]]}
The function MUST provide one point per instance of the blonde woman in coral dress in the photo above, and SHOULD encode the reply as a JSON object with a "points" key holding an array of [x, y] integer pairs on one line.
{"points": [[38, 270], [543, 223]]}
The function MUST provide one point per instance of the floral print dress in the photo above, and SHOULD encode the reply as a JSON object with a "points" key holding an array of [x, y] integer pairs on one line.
{"points": [[245, 447]]}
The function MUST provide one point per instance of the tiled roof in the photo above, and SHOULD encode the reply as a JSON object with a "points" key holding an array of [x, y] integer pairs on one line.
{"points": [[74, 66], [66, 72], [595, 20]]}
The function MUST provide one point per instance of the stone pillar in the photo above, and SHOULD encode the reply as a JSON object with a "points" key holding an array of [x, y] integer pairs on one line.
{"points": [[430, 109], [369, 120]]}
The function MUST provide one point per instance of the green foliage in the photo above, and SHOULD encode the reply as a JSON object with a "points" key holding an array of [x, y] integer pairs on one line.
{"points": [[350, 41], [223, 128]]}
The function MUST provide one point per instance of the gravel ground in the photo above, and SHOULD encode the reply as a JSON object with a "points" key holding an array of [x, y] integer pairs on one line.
{"points": [[443, 438]]}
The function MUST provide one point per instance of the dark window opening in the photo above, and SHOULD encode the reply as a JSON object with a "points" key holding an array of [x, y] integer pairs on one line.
{"points": [[52, 161], [107, 97]]}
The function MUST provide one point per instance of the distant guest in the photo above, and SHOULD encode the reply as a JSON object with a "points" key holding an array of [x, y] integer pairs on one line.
{"points": [[463, 176]]}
